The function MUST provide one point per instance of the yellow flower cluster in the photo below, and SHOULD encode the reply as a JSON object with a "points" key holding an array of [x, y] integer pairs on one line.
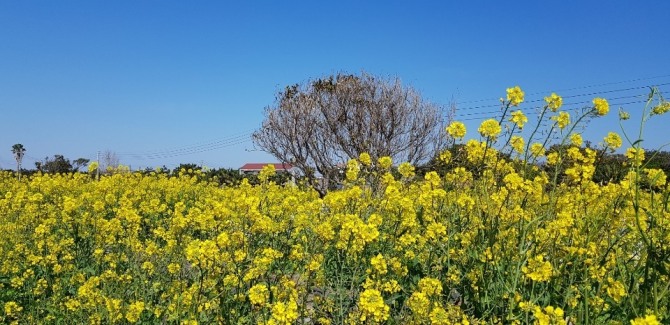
{"points": [[365, 159], [456, 130], [613, 141], [549, 315], [538, 269], [576, 139], [601, 106], [517, 143], [562, 119], [515, 95], [372, 306], [554, 102], [615, 289], [635, 155], [385, 162], [498, 235], [646, 320], [258, 294], [519, 119], [490, 128], [352, 169], [661, 108], [284, 313]]}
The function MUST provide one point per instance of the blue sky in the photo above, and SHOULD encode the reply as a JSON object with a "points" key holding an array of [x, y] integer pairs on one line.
{"points": [[163, 83]]}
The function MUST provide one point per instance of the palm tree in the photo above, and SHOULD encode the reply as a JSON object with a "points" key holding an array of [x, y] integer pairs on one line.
{"points": [[18, 150]]}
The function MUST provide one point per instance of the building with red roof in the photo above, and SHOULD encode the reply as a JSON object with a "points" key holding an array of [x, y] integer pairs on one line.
{"points": [[255, 168]]}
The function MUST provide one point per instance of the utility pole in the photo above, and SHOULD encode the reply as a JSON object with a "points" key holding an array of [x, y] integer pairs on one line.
{"points": [[97, 170]]}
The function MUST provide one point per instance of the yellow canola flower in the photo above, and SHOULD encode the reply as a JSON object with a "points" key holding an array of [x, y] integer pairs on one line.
{"points": [[419, 303], [537, 149], [379, 264], [519, 119], [661, 108], [646, 320], [562, 119], [266, 172], [517, 143], [445, 156], [656, 177], [576, 139], [439, 316], [615, 289], [173, 268], [372, 306], [93, 166], [636, 155], [365, 159], [284, 313], [258, 294], [548, 315], [613, 141], [601, 106], [406, 170], [515, 95], [554, 102], [134, 311], [385, 162], [12, 308], [537, 269], [430, 286], [456, 130], [490, 128], [72, 304], [352, 170]]}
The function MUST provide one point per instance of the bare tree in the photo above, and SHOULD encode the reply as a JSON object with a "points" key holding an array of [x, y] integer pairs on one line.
{"points": [[319, 125], [19, 151], [108, 160]]}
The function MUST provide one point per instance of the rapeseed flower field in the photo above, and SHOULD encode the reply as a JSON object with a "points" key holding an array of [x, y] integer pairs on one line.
{"points": [[499, 241]]}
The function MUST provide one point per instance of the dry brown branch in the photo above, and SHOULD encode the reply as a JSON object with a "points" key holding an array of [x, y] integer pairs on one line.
{"points": [[319, 125]]}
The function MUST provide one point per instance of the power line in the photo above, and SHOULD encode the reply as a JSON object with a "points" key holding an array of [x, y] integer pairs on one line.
{"points": [[197, 144], [211, 146], [569, 96], [644, 95], [244, 137], [4, 162], [577, 88], [540, 107], [537, 113], [190, 148], [193, 150]]}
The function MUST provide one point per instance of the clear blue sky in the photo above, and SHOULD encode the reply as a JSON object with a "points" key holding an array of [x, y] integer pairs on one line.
{"points": [[191, 79]]}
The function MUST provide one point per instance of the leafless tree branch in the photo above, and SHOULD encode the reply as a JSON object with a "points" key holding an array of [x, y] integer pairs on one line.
{"points": [[319, 125]]}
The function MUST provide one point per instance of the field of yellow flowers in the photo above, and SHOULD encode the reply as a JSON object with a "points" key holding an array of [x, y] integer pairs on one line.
{"points": [[500, 242]]}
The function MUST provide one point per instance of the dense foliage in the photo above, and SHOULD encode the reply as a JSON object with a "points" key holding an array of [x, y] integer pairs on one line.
{"points": [[502, 241]]}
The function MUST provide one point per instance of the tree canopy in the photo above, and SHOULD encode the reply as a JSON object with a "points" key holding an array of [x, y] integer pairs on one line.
{"points": [[317, 126], [19, 151]]}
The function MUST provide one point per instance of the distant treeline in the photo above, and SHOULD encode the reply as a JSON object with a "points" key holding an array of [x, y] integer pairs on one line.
{"points": [[610, 167]]}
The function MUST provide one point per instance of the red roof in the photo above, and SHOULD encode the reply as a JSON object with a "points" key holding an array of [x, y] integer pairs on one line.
{"points": [[259, 166]]}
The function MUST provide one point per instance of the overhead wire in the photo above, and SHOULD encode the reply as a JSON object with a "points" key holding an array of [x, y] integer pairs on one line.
{"points": [[220, 144], [569, 96], [578, 88], [537, 113], [194, 148], [246, 136], [530, 112], [197, 144]]}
